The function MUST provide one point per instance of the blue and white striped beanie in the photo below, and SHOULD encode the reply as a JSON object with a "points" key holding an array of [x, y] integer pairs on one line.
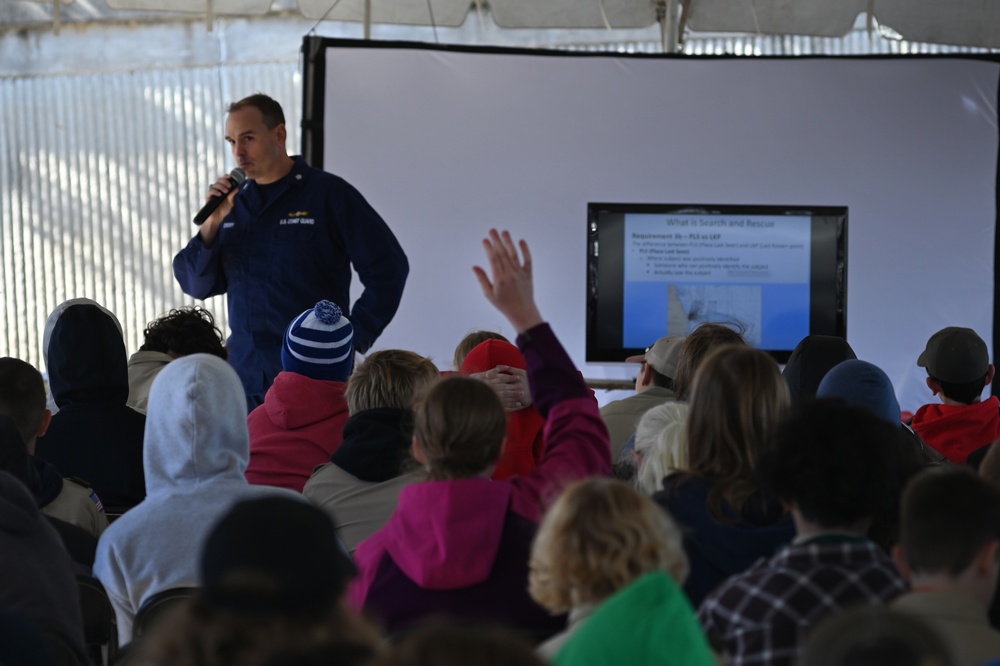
{"points": [[318, 344]]}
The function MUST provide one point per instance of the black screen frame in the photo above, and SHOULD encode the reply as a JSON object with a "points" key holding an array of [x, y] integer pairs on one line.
{"points": [[605, 270]]}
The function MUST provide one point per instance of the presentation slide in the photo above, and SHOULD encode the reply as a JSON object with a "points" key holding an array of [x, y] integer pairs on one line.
{"points": [[684, 270]]}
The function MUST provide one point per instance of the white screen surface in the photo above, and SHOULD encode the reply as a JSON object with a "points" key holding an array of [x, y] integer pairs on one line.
{"points": [[446, 144]]}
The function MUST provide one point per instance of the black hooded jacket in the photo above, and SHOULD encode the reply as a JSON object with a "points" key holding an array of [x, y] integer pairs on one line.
{"points": [[94, 436]]}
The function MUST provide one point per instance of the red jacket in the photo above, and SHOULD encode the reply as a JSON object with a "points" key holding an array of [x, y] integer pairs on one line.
{"points": [[522, 447], [955, 431], [298, 427]]}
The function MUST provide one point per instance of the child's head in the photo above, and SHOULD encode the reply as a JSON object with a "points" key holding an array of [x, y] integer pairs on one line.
{"points": [[599, 536], [389, 379], [737, 401], [470, 342], [459, 429], [661, 446], [951, 517]]}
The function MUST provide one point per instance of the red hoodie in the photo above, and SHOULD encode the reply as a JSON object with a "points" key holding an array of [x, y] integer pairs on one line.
{"points": [[522, 448], [299, 426], [955, 431]]}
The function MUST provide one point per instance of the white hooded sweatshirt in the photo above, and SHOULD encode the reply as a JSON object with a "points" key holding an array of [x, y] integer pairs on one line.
{"points": [[195, 456]]}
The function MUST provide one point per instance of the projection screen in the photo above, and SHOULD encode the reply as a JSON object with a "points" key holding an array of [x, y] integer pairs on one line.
{"points": [[449, 142]]}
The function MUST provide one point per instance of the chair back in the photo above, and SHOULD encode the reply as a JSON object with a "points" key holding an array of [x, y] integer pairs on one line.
{"points": [[100, 628], [153, 608]]}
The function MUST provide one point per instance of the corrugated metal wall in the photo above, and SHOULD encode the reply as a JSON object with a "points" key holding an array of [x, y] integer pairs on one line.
{"points": [[100, 175]]}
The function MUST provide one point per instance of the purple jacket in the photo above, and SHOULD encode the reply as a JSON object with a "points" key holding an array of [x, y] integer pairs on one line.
{"points": [[461, 547]]}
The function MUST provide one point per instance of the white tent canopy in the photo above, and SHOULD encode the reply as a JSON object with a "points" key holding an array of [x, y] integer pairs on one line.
{"points": [[957, 22]]}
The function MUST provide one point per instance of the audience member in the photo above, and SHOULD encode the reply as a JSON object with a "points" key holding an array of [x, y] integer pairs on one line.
{"points": [[180, 332], [94, 436], [461, 644], [958, 369], [23, 417], [874, 636], [470, 342], [865, 385], [510, 382], [597, 539], [655, 612], [37, 582], [195, 458], [273, 575], [812, 358], [949, 552], [360, 486], [661, 446], [522, 447], [458, 545], [832, 465], [654, 385], [301, 422], [729, 521], [696, 347], [693, 351]]}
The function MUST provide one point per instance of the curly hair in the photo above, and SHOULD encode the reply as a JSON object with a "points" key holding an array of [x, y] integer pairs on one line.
{"points": [[184, 331], [599, 536]]}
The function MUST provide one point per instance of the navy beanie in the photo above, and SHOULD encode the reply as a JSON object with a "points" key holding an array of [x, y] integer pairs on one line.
{"points": [[319, 344], [862, 384]]}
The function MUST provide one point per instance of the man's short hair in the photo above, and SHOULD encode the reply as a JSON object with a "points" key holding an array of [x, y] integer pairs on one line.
{"points": [[948, 516], [185, 331], [963, 392], [269, 109], [838, 464], [22, 396], [390, 378]]}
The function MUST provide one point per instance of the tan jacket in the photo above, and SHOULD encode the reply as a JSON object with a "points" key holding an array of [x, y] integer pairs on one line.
{"points": [[76, 505], [359, 508]]}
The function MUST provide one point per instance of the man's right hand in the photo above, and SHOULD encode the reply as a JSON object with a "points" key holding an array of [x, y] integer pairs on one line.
{"points": [[210, 229]]}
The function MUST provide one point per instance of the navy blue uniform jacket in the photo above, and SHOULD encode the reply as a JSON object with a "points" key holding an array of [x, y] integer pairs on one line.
{"points": [[277, 260]]}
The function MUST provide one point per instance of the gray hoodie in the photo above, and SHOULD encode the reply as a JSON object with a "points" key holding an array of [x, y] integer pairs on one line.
{"points": [[195, 456]]}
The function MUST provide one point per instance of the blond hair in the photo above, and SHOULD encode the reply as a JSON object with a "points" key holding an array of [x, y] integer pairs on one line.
{"points": [[391, 378], [460, 426], [737, 402], [599, 536], [661, 444]]}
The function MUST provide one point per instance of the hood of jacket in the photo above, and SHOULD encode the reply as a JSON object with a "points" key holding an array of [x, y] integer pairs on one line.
{"points": [[958, 430], [446, 534], [811, 359], [376, 444], [196, 425], [295, 401], [41, 478], [85, 354]]}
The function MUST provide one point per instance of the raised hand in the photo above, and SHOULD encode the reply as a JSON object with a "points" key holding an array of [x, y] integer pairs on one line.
{"points": [[509, 287]]}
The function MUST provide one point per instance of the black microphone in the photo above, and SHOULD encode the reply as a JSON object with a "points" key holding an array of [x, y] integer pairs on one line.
{"points": [[236, 178]]}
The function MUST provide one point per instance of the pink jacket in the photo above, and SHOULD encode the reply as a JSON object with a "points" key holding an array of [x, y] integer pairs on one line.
{"points": [[461, 547]]}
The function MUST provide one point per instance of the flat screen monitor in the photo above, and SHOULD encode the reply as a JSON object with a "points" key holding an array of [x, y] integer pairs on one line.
{"points": [[778, 273]]}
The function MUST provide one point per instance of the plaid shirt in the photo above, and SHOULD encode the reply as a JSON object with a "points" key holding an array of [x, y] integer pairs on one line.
{"points": [[763, 614]]}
